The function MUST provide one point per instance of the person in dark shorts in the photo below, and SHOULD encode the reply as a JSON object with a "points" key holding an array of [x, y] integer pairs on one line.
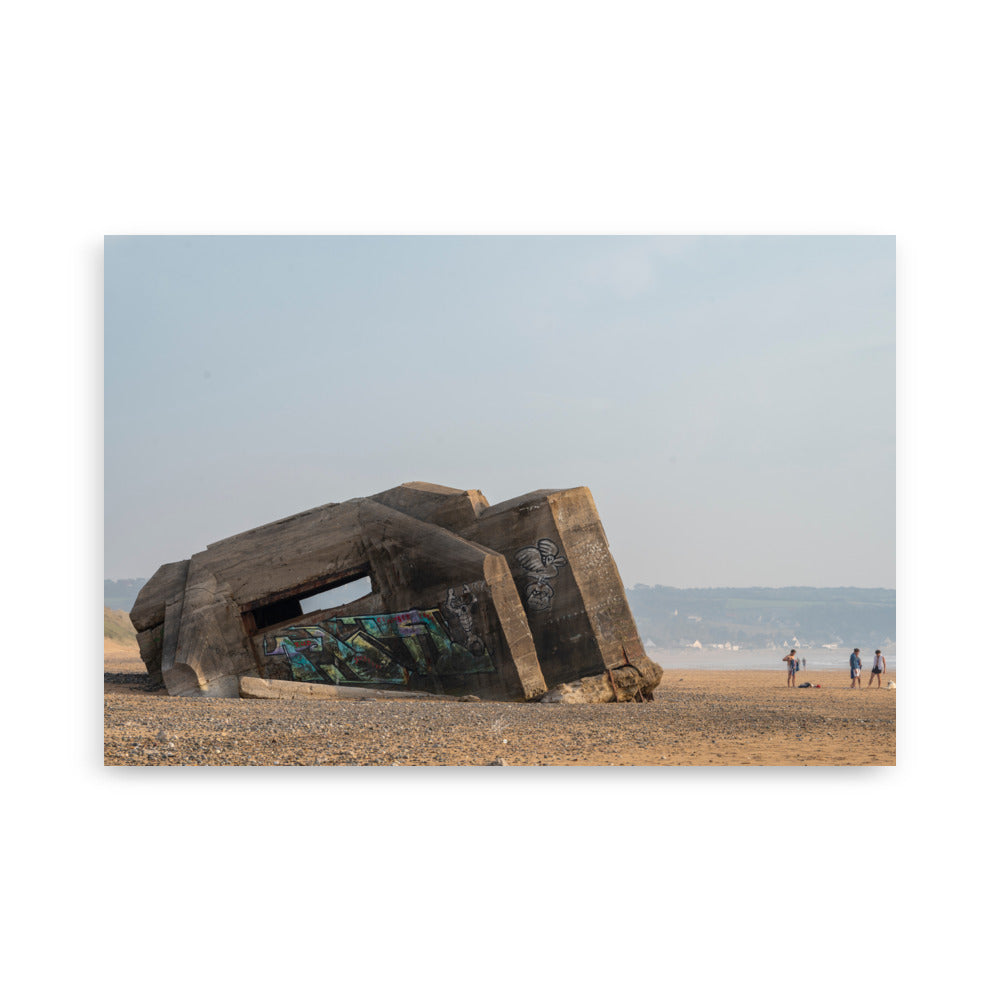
{"points": [[878, 668], [793, 666], [856, 667]]}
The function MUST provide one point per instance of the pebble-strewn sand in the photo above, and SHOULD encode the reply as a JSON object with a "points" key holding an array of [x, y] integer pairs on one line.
{"points": [[714, 717]]}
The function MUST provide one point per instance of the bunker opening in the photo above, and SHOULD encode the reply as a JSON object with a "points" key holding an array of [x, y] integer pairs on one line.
{"points": [[317, 598]]}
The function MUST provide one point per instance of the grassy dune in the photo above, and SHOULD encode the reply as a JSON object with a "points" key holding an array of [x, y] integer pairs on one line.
{"points": [[118, 628]]}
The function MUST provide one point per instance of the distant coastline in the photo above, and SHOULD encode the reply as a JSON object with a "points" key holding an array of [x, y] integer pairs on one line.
{"points": [[736, 619]]}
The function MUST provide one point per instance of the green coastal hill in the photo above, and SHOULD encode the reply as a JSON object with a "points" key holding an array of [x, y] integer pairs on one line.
{"points": [[120, 595], [764, 617]]}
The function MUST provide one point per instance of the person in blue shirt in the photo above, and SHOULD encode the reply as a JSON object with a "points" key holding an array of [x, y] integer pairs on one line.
{"points": [[856, 668], [793, 666]]}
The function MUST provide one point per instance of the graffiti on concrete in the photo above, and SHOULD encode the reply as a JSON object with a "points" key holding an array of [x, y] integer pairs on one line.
{"points": [[461, 608], [376, 649], [539, 595], [541, 563]]}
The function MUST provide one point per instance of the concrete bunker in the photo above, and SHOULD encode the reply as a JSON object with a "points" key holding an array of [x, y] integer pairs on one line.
{"points": [[516, 601]]}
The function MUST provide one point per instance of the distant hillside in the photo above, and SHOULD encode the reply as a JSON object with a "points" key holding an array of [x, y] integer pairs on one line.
{"points": [[117, 627], [120, 595], [762, 617]]}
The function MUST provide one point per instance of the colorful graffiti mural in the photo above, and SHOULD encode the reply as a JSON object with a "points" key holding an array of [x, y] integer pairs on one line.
{"points": [[541, 563], [377, 649]]}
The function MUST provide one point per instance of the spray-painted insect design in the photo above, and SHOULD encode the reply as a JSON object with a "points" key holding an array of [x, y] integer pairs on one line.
{"points": [[461, 608], [541, 563]]}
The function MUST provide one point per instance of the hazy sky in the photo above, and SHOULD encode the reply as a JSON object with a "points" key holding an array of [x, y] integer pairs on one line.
{"points": [[730, 401]]}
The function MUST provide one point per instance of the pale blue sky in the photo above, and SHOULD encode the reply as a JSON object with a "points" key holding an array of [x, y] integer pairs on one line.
{"points": [[730, 401]]}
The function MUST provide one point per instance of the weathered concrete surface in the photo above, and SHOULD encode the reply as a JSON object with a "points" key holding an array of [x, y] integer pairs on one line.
{"points": [[259, 688], [162, 591], [502, 602], [573, 595]]}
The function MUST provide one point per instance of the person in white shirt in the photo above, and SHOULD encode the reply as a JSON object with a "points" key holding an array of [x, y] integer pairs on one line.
{"points": [[878, 668]]}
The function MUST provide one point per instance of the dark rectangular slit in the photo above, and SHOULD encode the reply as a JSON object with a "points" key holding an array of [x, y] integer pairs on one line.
{"points": [[312, 599]]}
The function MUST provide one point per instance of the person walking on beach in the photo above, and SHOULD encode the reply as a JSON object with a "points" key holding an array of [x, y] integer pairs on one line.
{"points": [[878, 669], [856, 667], [793, 666]]}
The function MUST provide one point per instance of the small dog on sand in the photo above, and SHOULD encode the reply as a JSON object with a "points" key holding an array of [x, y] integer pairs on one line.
{"points": [[891, 684]]}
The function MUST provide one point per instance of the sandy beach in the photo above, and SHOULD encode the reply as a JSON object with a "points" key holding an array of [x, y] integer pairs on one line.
{"points": [[699, 717]]}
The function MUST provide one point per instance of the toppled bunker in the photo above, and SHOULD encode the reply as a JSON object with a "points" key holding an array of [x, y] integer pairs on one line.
{"points": [[517, 601]]}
